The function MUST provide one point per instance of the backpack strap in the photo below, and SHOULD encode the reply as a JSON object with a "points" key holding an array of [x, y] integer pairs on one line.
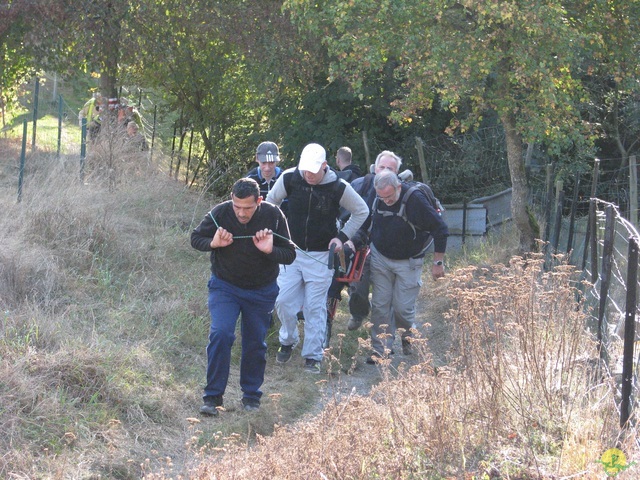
{"points": [[286, 180], [401, 211], [366, 184]]}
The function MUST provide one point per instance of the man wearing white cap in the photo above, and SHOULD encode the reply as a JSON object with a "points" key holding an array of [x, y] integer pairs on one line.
{"points": [[267, 171], [315, 195]]}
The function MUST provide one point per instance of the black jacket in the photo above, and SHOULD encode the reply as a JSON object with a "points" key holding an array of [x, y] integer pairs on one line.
{"points": [[241, 263]]}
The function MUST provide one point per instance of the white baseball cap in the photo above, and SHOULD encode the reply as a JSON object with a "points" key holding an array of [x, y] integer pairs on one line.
{"points": [[312, 158]]}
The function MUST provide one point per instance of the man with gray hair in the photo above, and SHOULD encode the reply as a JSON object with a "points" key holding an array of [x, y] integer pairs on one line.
{"points": [[359, 305], [398, 242]]}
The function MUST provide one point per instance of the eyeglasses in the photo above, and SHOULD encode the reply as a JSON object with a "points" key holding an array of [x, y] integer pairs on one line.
{"points": [[388, 197]]}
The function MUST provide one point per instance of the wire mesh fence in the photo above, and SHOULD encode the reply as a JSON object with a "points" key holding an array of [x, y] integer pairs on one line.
{"points": [[603, 244]]}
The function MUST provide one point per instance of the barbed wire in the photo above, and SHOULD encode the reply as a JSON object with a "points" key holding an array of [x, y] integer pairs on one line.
{"points": [[615, 306]]}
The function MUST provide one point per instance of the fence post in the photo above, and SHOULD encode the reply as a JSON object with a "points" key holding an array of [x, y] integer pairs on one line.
{"points": [[593, 240], [83, 148], [548, 203], [633, 191], [594, 185], [464, 220], [629, 333], [186, 175], [558, 223], [22, 160], [607, 261], [572, 216], [153, 132], [423, 164], [36, 93], [60, 113], [173, 148]]}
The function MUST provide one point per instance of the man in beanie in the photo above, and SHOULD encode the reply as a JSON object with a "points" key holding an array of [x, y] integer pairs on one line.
{"points": [[315, 195]]}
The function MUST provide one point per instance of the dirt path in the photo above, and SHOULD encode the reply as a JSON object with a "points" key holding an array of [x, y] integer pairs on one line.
{"points": [[432, 326]]}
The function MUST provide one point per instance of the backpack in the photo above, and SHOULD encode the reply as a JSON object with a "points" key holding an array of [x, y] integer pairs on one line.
{"points": [[413, 187]]}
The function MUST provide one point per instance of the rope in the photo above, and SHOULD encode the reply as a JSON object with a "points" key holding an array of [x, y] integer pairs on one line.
{"points": [[235, 237]]}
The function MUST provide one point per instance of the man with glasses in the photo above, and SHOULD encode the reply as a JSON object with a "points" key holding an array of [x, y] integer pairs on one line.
{"points": [[398, 244], [359, 305]]}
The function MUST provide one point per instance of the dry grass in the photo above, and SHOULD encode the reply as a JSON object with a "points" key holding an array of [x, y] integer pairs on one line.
{"points": [[518, 398], [102, 341], [104, 324]]}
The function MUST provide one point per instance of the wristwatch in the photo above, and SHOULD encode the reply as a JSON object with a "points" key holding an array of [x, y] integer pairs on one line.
{"points": [[439, 263]]}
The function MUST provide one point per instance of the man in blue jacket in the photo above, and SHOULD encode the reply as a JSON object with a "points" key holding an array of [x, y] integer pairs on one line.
{"points": [[267, 171]]}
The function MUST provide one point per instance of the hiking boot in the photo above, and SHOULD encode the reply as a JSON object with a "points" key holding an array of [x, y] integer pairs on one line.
{"points": [[353, 324], [312, 366], [406, 346], [250, 404], [211, 404], [375, 357], [284, 353]]}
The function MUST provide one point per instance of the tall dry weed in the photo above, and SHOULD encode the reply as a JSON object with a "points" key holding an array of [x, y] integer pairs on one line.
{"points": [[517, 400]]}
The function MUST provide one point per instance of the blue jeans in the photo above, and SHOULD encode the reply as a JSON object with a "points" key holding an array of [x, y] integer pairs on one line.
{"points": [[226, 302]]}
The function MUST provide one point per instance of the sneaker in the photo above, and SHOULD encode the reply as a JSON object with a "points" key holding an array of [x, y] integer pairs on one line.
{"points": [[353, 324], [406, 346], [210, 405], [284, 353], [250, 404], [312, 366]]}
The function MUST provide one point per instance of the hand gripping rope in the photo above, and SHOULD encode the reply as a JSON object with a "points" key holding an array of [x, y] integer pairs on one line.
{"points": [[331, 248]]}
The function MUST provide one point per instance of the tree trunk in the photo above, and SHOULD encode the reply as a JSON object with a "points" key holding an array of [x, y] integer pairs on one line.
{"points": [[525, 222], [110, 50]]}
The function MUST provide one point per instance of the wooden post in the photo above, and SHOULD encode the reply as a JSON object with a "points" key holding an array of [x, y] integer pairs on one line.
{"points": [[60, 113], [629, 332], [607, 262], [186, 175], [572, 216], [83, 148], [421, 160], [558, 222], [548, 203], [153, 132], [173, 148], [22, 160], [36, 94], [464, 220], [594, 185], [367, 155], [633, 191], [593, 240]]}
